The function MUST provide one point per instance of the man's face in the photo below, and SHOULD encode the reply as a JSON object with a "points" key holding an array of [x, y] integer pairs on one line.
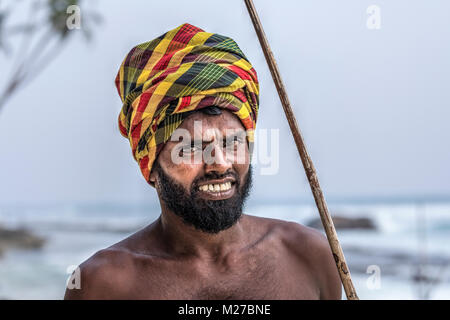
{"points": [[209, 186]]}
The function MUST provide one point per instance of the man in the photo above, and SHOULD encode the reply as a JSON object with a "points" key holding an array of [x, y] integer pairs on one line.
{"points": [[190, 108]]}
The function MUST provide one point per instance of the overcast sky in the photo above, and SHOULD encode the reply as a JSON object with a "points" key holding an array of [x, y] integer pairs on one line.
{"points": [[373, 105]]}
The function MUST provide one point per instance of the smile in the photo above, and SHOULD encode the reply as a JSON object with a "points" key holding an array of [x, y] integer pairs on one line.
{"points": [[217, 190], [216, 187]]}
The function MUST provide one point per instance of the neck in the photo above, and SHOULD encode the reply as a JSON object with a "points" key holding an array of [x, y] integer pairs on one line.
{"points": [[185, 240]]}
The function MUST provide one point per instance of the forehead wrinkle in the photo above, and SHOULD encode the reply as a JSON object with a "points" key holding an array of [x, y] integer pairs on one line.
{"points": [[214, 123]]}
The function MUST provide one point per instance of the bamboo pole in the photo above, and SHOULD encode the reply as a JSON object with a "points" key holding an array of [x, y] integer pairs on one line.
{"points": [[310, 171]]}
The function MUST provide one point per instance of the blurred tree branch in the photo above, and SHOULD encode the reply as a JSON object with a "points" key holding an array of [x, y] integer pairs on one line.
{"points": [[43, 36]]}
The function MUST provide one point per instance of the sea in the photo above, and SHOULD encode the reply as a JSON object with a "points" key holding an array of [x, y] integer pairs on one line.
{"points": [[406, 256]]}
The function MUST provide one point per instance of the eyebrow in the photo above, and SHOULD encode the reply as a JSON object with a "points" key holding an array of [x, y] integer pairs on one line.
{"points": [[239, 134]]}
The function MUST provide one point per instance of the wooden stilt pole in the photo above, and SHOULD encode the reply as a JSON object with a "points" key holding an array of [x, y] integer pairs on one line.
{"points": [[306, 160]]}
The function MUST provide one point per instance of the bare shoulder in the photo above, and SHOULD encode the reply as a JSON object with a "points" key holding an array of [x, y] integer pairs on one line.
{"points": [[298, 236], [111, 273], [102, 276], [312, 248]]}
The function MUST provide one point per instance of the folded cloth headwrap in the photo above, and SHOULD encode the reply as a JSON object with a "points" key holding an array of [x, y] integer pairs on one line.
{"points": [[162, 81]]}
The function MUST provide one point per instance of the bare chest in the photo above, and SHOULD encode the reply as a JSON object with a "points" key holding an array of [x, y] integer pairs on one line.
{"points": [[262, 276]]}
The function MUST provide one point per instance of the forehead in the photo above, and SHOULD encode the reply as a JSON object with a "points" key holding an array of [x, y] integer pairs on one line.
{"points": [[223, 122]]}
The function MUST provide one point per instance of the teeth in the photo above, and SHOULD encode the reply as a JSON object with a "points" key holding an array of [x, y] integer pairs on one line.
{"points": [[215, 187]]}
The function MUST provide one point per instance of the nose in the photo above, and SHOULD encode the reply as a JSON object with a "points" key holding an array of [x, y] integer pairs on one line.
{"points": [[218, 161]]}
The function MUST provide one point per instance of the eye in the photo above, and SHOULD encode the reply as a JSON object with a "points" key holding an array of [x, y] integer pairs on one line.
{"points": [[188, 150], [234, 142], [193, 149]]}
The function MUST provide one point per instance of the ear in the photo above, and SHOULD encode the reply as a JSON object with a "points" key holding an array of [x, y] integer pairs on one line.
{"points": [[153, 176], [153, 173]]}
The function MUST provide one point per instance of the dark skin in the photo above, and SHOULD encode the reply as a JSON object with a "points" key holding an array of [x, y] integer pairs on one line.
{"points": [[256, 258]]}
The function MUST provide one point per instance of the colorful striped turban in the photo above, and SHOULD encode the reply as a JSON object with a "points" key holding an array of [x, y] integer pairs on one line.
{"points": [[162, 81]]}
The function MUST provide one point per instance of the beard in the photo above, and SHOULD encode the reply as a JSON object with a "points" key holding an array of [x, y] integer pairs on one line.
{"points": [[211, 216]]}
